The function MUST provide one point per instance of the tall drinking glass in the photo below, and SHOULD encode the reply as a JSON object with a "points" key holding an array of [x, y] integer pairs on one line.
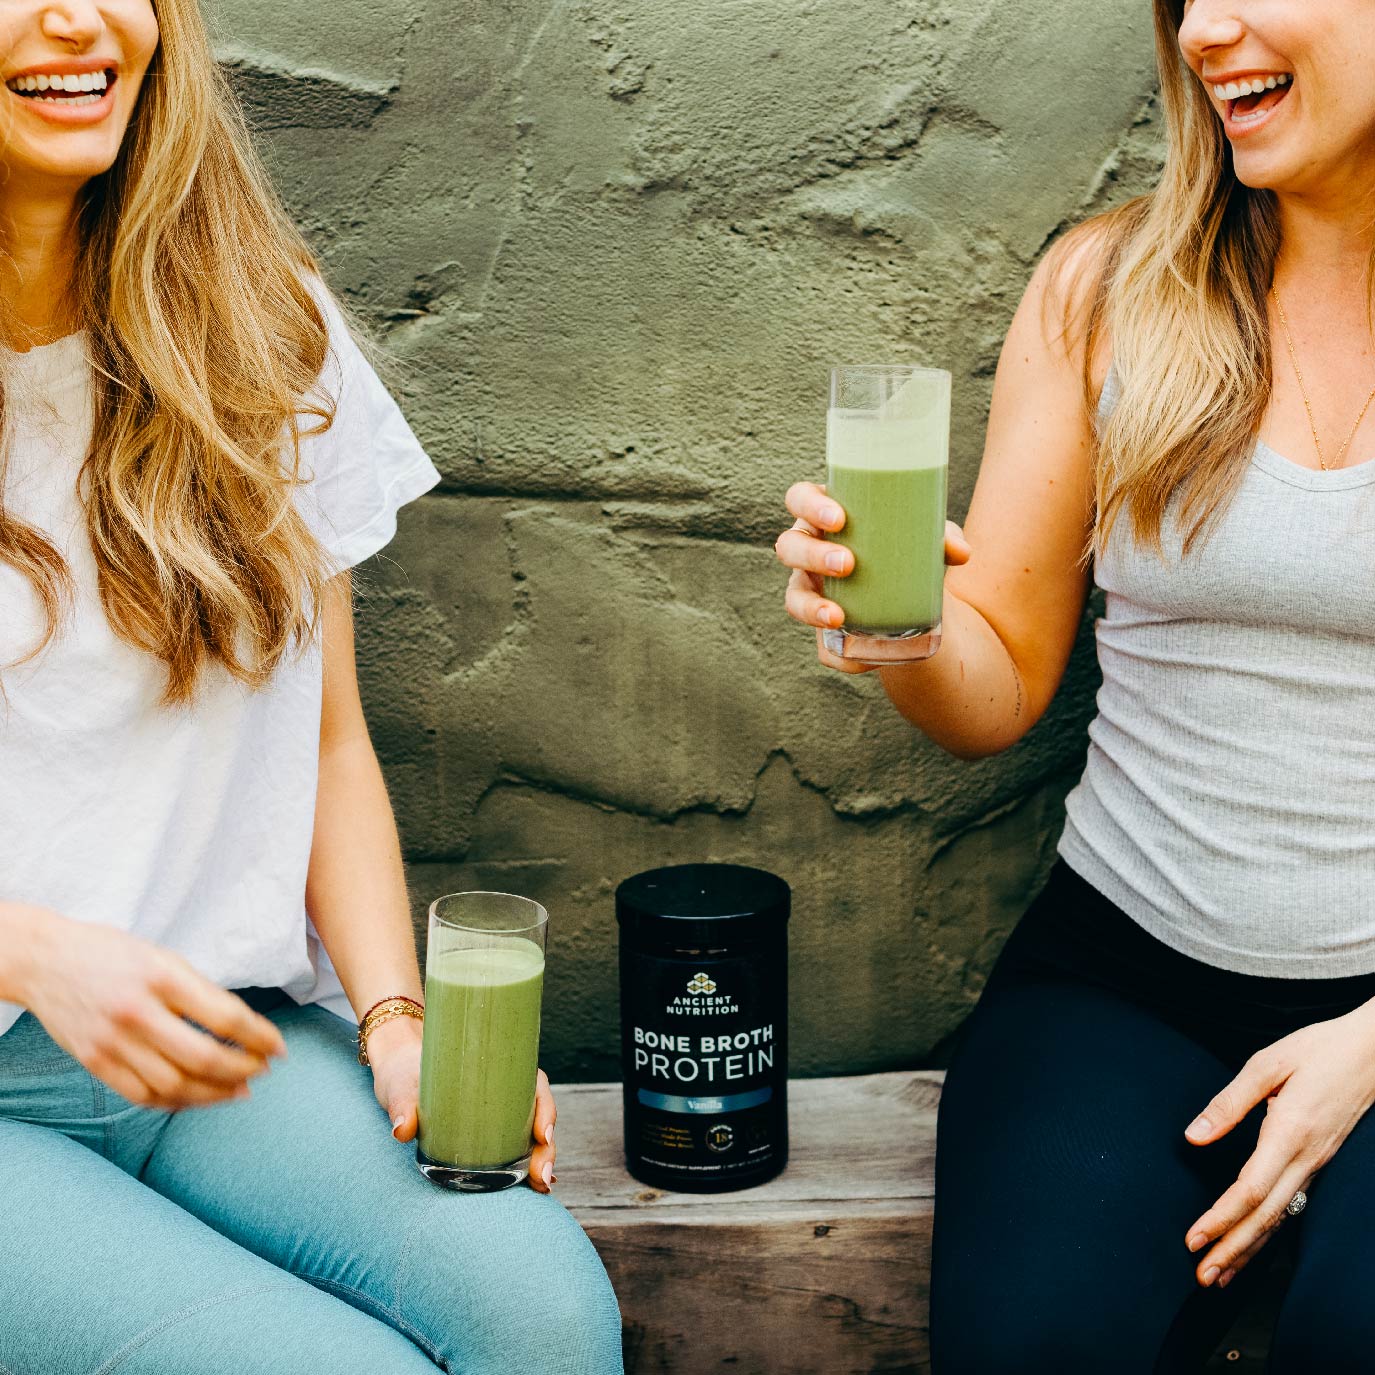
{"points": [[887, 455], [479, 1057]]}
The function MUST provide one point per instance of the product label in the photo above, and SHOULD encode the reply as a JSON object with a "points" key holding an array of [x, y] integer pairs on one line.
{"points": [[705, 1063]]}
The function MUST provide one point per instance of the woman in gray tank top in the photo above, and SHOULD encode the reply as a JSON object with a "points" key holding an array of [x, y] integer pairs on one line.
{"points": [[1176, 1048]]}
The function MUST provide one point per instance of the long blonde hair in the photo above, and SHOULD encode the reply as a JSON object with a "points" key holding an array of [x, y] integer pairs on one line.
{"points": [[207, 343], [1179, 288]]}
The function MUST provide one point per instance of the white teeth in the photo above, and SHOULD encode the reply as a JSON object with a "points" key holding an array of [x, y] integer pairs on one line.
{"points": [[90, 83], [1234, 90]]}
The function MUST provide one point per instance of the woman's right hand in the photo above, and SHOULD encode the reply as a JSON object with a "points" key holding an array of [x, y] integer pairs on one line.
{"points": [[811, 558], [116, 1002]]}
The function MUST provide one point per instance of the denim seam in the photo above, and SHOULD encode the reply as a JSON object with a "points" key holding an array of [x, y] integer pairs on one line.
{"points": [[403, 1262], [50, 1066], [366, 1301], [149, 1333]]}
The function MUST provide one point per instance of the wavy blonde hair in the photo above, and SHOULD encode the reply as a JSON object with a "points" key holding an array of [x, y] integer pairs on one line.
{"points": [[207, 344], [1178, 285]]}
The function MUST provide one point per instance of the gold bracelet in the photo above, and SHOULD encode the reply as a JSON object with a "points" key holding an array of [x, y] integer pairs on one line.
{"points": [[384, 1011]]}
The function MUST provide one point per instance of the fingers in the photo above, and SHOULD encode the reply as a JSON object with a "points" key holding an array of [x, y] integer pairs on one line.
{"points": [[1242, 1241], [1258, 1078], [808, 501], [805, 603], [797, 549], [957, 550], [157, 1083], [542, 1176], [405, 1122], [220, 1011], [200, 1056], [1274, 1158]]}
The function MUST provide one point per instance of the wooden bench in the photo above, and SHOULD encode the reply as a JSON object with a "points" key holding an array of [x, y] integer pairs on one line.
{"points": [[822, 1271]]}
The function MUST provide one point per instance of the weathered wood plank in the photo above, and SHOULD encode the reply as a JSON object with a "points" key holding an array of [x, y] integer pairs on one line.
{"points": [[865, 1137]]}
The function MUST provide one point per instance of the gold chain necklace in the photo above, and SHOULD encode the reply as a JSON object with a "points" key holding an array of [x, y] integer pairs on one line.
{"points": [[1303, 392]]}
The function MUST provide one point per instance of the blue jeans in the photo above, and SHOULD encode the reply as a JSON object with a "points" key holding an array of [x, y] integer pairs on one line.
{"points": [[288, 1232]]}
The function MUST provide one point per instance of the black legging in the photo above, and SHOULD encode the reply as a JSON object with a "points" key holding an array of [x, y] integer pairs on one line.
{"points": [[1064, 1183]]}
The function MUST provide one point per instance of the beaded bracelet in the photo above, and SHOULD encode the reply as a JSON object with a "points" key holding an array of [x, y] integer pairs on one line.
{"points": [[384, 1010]]}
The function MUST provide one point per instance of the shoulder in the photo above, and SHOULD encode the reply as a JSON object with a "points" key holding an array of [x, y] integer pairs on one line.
{"points": [[1071, 285]]}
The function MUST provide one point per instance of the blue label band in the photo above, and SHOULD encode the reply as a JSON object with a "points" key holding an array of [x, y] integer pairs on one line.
{"points": [[667, 1102]]}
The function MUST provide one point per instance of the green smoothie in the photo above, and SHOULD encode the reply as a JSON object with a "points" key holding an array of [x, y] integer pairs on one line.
{"points": [[480, 1053], [888, 472]]}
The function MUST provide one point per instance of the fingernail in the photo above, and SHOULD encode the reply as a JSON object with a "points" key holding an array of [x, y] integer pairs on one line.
{"points": [[1226, 1275], [1198, 1239], [396, 1126], [1210, 1274], [549, 1135], [1200, 1126], [830, 514], [835, 562], [829, 617], [547, 1173]]}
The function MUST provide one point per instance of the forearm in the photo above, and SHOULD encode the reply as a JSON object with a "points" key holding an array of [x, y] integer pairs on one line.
{"points": [[969, 697], [356, 886]]}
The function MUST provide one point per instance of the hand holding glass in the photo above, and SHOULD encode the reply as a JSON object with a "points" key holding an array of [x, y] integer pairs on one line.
{"points": [[887, 456], [479, 1058]]}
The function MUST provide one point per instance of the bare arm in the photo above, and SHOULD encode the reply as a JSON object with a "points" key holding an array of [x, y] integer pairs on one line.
{"points": [[1012, 610], [356, 891], [356, 885]]}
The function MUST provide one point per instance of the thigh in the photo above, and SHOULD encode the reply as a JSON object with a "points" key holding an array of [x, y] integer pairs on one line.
{"points": [[1064, 1186], [102, 1274], [307, 1174], [1327, 1321]]}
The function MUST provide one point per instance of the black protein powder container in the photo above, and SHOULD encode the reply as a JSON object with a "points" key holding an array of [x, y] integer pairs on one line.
{"points": [[704, 1025]]}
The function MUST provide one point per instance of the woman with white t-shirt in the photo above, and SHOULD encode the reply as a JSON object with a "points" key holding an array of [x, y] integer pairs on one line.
{"points": [[194, 831]]}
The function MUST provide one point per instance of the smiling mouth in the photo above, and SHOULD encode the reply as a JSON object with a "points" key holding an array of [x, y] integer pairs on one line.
{"points": [[90, 88], [1250, 99]]}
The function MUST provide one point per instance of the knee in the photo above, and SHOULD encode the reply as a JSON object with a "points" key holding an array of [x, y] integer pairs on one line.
{"points": [[527, 1292]]}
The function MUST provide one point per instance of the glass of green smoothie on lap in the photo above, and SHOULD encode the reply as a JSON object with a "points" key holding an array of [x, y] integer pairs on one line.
{"points": [[484, 975], [887, 456]]}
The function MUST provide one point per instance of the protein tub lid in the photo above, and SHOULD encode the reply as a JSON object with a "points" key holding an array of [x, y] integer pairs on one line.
{"points": [[711, 903]]}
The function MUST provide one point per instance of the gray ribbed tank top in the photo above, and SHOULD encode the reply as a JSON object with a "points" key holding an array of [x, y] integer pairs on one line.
{"points": [[1228, 802]]}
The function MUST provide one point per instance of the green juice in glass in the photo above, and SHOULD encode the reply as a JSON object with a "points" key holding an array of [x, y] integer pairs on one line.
{"points": [[887, 468], [480, 1053]]}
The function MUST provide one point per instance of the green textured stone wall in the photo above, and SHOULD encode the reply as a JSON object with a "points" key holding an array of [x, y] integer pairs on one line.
{"points": [[612, 248]]}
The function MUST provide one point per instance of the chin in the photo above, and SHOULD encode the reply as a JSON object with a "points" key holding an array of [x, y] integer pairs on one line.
{"points": [[1260, 173]]}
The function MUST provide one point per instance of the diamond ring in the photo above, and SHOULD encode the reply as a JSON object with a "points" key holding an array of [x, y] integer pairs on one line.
{"points": [[1296, 1204]]}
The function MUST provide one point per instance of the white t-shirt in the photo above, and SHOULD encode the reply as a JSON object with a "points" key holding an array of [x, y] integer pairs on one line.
{"points": [[190, 827]]}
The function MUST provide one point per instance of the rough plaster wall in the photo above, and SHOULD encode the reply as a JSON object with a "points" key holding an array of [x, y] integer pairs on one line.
{"points": [[612, 248]]}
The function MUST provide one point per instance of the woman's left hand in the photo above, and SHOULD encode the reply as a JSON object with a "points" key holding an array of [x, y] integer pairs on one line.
{"points": [[394, 1054], [1319, 1082]]}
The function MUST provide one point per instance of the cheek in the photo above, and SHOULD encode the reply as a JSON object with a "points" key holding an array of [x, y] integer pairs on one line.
{"points": [[138, 33]]}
